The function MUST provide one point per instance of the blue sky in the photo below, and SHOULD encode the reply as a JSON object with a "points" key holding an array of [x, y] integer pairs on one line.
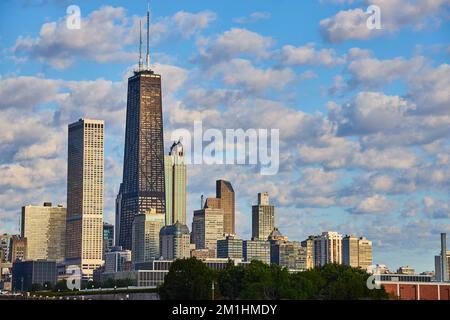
{"points": [[364, 115]]}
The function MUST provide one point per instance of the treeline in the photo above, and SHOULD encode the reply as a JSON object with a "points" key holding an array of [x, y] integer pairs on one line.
{"points": [[190, 279]]}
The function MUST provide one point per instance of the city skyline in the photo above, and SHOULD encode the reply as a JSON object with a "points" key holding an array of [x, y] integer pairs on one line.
{"points": [[376, 185]]}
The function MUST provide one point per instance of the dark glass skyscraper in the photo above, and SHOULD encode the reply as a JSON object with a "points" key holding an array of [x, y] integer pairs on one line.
{"points": [[143, 169]]}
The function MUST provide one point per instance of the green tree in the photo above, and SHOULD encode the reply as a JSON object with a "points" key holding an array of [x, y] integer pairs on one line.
{"points": [[188, 279], [61, 285], [342, 282], [230, 282], [36, 287]]}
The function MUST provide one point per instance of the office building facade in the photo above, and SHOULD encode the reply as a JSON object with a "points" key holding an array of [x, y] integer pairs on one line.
{"points": [[225, 192], [143, 186], [145, 236], [207, 228], [308, 244], [175, 183], [263, 218], [85, 198], [356, 252], [108, 237], [19, 249], [288, 254], [230, 247], [258, 250], [44, 227], [175, 242], [25, 274], [117, 260]]}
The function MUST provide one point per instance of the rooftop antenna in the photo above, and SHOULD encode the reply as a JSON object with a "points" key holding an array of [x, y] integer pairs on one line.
{"points": [[148, 36], [140, 46]]}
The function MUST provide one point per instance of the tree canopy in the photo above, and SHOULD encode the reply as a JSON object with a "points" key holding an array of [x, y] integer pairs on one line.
{"points": [[191, 279]]}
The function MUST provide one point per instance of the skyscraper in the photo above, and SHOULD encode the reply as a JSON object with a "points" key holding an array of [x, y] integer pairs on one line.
{"points": [[19, 248], [330, 248], [207, 228], [308, 244], [365, 258], [175, 179], [263, 217], [175, 241], [44, 227], [145, 236], [230, 247], [225, 192], [256, 250], [143, 186], [85, 184], [356, 252], [108, 237], [350, 251]]}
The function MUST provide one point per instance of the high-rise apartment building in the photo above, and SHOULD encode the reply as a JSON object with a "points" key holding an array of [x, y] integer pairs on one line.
{"points": [[85, 185], [350, 251], [365, 258], [258, 250], [44, 227], [175, 242], [230, 247], [330, 248], [263, 218], [143, 186], [175, 181], [207, 228], [356, 252], [145, 236]]}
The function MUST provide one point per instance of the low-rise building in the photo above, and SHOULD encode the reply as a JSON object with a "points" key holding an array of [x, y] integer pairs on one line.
{"points": [[258, 250], [230, 247], [25, 274]]}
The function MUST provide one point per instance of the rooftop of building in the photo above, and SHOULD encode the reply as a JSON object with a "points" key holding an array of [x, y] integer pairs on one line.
{"points": [[176, 229]]}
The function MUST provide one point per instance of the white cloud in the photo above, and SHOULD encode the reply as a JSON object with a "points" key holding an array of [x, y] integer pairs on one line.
{"points": [[373, 73], [435, 208], [375, 204], [253, 17], [242, 73], [232, 44], [308, 54], [370, 112], [104, 36], [395, 14]]}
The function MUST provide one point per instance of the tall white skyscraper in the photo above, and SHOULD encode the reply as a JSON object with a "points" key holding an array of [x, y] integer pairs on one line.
{"points": [[175, 176], [85, 185], [330, 248]]}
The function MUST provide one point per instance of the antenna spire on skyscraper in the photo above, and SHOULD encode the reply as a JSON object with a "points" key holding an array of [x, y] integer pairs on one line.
{"points": [[148, 36], [140, 46]]}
